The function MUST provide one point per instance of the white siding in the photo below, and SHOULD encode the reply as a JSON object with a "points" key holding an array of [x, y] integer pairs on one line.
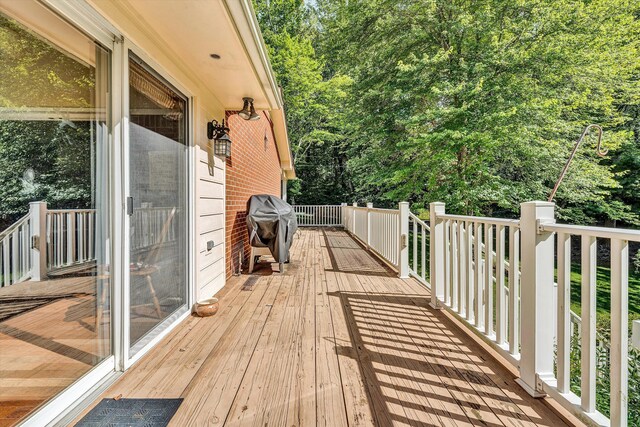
{"points": [[210, 217]]}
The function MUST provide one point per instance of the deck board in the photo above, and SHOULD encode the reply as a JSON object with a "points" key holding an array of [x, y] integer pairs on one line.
{"points": [[337, 340]]}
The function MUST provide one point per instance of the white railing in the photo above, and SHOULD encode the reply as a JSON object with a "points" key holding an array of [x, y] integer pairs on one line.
{"points": [[480, 276], [70, 237], [378, 229], [15, 246], [498, 277], [619, 343], [318, 215], [384, 233], [468, 278], [51, 240], [148, 224]]}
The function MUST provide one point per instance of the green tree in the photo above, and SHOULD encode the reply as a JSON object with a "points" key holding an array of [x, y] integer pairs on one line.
{"points": [[478, 103], [315, 106]]}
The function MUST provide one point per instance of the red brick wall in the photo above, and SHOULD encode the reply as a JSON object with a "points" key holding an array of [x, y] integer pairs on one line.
{"points": [[253, 168]]}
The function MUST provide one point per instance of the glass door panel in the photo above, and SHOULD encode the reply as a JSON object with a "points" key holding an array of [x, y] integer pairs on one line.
{"points": [[55, 281], [157, 203]]}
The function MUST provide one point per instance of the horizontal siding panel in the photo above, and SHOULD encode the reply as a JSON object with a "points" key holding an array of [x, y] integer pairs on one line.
{"points": [[211, 287], [212, 190], [207, 257], [216, 235], [209, 223], [211, 271], [205, 176], [203, 156], [210, 206]]}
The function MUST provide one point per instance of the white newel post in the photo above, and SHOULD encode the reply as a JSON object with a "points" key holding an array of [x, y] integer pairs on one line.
{"points": [[369, 207], [343, 214], [403, 246], [38, 235], [536, 296], [436, 253]]}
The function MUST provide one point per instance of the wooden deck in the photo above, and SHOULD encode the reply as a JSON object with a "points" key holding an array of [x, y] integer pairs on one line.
{"points": [[48, 340], [337, 340]]}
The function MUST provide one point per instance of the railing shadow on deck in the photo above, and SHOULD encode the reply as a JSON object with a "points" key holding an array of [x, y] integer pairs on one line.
{"points": [[416, 370], [336, 240]]}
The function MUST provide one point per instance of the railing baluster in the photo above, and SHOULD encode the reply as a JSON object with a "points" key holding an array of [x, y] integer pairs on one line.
{"points": [[478, 276], [6, 272], [514, 290], [415, 245], [447, 262], [501, 318], [619, 362], [488, 280], [462, 269], [453, 243], [424, 252], [470, 272], [588, 315], [563, 334], [14, 256]]}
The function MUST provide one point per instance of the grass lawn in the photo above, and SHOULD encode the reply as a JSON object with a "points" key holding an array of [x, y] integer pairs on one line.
{"points": [[603, 293]]}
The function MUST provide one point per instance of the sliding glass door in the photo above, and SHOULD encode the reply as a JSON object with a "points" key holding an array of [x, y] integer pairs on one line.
{"points": [[157, 206], [55, 272]]}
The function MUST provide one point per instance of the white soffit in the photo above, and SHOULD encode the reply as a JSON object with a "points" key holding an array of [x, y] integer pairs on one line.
{"points": [[193, 30]]}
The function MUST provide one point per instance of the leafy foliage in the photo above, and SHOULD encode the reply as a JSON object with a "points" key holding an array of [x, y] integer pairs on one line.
{"points": [[42, 159], [477, 104]]}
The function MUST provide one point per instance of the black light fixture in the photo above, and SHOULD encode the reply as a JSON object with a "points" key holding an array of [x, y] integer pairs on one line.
{"points": [[221, 141], [248, 111]]}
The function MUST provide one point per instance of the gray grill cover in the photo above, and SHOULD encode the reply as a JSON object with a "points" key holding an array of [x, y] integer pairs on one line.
{"points": [[271, 222]]}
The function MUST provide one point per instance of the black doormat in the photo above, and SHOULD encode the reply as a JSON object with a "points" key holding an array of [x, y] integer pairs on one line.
{"points": [[131, 412]]}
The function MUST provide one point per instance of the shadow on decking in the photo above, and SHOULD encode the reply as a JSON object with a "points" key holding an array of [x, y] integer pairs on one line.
{"points": [[415, 367], [365, 264], [417, 371]]}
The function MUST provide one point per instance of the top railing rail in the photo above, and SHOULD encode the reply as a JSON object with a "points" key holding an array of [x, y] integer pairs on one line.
{"points": [[14, 226], [597, 232]]}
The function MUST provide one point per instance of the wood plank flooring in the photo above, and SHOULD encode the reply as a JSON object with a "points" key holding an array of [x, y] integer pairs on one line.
{"points": [[47, 346], [337, 340]]}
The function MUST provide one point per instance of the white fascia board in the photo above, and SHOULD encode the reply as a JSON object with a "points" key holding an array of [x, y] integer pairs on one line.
{"points": [[244, 20]]}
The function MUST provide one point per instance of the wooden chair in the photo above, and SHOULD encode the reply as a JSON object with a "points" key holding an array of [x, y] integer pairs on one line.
{"points": [[148, 266]]}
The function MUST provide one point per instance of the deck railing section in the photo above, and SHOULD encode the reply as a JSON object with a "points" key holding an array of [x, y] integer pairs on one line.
{"points": [[148, 224], [475, 256], [378, 229], [14, 250], [619, 342], [70, 237], [498, 276], [479, 270], [319, 215], [51, 240]]}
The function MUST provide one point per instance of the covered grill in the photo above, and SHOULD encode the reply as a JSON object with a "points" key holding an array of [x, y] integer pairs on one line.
{"points": [[271, 223]]}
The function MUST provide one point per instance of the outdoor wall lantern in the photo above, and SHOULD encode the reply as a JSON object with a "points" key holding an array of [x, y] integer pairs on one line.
{"points": [[221, 141], [248, 111]]}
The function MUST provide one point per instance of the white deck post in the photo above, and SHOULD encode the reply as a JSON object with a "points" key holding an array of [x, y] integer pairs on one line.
{"points": [[537, 266], [403, 246], [343, 213], [436, 252], [369, 206], [38, 235]]}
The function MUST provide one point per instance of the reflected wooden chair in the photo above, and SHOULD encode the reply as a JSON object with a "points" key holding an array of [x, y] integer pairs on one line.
{"points": [[149, 265]]}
